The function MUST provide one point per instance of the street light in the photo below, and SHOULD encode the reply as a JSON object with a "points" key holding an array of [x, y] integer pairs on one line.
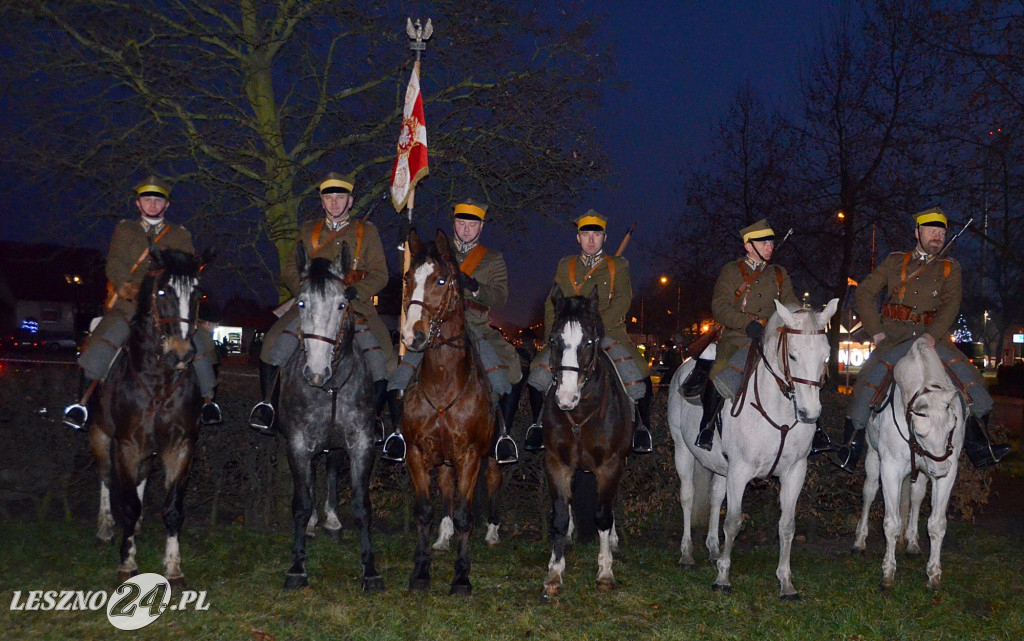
{"points": [[664, 281]]}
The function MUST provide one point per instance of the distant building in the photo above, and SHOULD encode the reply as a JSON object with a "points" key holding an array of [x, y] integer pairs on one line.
{"points": [[50, 289]]}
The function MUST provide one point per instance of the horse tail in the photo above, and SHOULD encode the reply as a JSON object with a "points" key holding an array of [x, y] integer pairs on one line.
{"points": [[701, 509]]}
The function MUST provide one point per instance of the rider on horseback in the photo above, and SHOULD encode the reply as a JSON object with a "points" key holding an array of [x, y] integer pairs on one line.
{"points": [[578, 275], [743, 301], [127, 265], [323, 239], [923, 293], [484, 280]]}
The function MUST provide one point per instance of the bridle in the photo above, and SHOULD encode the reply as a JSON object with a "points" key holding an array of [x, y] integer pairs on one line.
{"points": [[439, 314], [584, 372], [162, 322], [339, 338], [916, 449]]}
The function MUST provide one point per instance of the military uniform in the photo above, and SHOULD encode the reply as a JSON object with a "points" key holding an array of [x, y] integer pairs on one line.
{"points": [[922, 295]]}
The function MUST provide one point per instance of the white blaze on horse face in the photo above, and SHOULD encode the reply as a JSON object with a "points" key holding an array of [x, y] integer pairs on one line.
{"points": [[415, 312], [183, 289], [320, 316], [568, 392]]}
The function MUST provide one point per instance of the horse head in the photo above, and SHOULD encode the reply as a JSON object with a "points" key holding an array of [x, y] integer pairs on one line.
{"points": [[575, 342], [933, 407], [797, 350], [324, 320], [432, 292], [170, 296]]}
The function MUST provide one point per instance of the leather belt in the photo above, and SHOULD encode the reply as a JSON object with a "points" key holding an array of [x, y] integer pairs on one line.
{"points": [[906, 314]]}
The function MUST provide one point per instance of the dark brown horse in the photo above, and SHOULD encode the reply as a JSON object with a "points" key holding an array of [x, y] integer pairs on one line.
{"points": [[149, 407], [448, 419], [588, 424]]}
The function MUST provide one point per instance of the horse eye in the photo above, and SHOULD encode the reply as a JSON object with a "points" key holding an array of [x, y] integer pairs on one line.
{"points": [[301, 303], [341, 306], [161, 292], [441, 281]]}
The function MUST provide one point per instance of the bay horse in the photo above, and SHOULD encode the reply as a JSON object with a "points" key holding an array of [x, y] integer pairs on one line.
{"points": [[767, 431], [920, 429], [327, 405], [588, 424], [448, 419], [148, 407]]}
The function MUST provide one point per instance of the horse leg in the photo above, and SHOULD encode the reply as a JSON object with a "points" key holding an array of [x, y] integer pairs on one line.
{"points": [[145, 467], [892, 478], [302, 507], [313, 517], [868, 493], [917, 491], [332, 524], [462, 518], [494, 478], [419, 476], [684, 469], [127, 506], [446, 484], [100, 445], [718, 489], [360, 470], [791, 482], [736, 484], [560, 486], [608, 476], [177, 464], [941, 489]]}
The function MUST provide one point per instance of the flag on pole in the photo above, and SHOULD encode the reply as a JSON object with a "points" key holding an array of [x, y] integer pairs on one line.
{"points": [[411, 160]]}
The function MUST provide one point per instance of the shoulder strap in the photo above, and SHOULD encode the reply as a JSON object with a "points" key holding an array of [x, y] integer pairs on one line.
{"points": [[472, 260], [150, 244], [359, 243], [946, 268], [611, 277], [778, 280]]}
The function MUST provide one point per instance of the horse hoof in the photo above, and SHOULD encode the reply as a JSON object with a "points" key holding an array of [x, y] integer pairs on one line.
{"points": [[419, 585], [687, 563], [605, 585], [124, 575], [295, 582], [373, 584], [177, 583], [790, 597], [460, 589], [724, 589], [334, 535], [913, 551], [884, 588], [551, 592], [859, 551]]}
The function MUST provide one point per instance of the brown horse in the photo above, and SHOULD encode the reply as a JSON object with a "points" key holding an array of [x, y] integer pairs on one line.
{"points": [[448, 419], [149, 407], [588, 424]]}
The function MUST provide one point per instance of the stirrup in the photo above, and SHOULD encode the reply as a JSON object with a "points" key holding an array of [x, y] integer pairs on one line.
{"points": [[706, 438], [534, 441], [72, 420], [643, 442], [505, 450], [258, 419], [210, 414], [394, 448], [378, 438]]}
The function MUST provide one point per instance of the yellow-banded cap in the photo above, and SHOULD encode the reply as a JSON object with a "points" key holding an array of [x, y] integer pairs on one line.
{"points": [[470, 209], [153, 186], [335, 183], [591, 221], [758, 231], [933, 217]]}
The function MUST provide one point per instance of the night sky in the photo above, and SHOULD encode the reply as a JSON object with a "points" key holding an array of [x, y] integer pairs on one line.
{"points": [[678, 67]]}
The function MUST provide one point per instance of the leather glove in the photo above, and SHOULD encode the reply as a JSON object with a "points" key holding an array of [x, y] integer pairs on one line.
{"points": [[468, 283], [350, 293], [754, 330]]}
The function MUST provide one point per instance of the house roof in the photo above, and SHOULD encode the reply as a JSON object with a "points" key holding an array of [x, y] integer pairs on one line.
{"points": [[43, 272]]}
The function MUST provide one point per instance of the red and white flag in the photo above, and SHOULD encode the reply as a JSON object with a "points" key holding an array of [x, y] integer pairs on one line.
{"points": [[411, 160]]}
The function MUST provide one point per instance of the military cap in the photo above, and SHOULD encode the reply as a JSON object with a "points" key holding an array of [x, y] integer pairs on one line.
{"points": [[469, 209], [335, 183], [153, 186], [931, 217], [758, 231], [591, 221]]}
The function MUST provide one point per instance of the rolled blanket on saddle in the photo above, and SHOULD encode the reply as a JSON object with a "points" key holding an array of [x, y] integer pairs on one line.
{"points": [[283, 346], [626, 367]]}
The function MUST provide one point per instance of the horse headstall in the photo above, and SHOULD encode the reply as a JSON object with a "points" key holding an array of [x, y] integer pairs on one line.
{"points": [[161, 321], [911, 437], [441, 312]]}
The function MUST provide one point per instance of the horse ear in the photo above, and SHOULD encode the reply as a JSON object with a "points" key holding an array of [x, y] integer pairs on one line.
{"points": [[593, 298], [444, 247], [156, 259], [784, 313], [556, 295], [826, 314], [344, 259], [301, 260], [415, 244]]}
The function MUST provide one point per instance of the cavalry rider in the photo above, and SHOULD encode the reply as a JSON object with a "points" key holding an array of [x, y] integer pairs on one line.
{"points": [[923, 290], [128, 260], [743, 301], [484, 281], [369, 273], [579, 275]]}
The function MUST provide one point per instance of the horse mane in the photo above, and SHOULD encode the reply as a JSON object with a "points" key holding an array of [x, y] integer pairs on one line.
{"points": [[430, 251], [922, 361], [174, 264], [579, 308], [319, 275]]}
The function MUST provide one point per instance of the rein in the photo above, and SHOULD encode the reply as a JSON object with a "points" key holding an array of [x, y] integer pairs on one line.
{"points": [[588, 371], [437, 318], [334, 342], [916, 449]]}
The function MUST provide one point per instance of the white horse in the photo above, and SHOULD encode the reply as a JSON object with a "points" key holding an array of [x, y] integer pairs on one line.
{"points": [[922, 430], [770, 434]]}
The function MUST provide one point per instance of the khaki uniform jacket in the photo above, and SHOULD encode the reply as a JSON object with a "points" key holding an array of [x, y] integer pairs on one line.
{"points": [[938, 288], [772, 283], [613, 299], [127, 244], [492, 275]]}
